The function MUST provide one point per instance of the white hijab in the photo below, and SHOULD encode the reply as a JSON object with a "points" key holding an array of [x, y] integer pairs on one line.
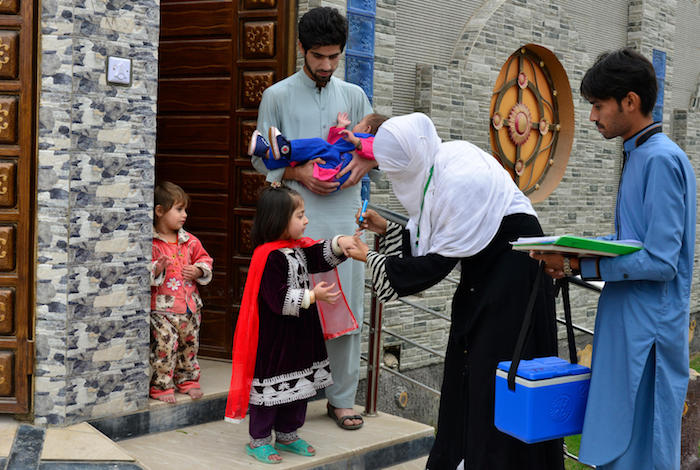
{"points": [[466, 198]]}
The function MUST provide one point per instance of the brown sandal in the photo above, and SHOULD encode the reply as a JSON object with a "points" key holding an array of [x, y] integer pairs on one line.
{"points": [[340, 421]]}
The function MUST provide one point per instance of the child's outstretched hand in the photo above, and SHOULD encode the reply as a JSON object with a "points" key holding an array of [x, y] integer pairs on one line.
{"points": [[350, 137], [345, 243], [343, 120], [190, 272], [161, 264], [324, 291]]}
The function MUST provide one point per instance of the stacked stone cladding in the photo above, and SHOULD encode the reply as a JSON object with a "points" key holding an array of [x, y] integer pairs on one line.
{"points": [[96, 149]]}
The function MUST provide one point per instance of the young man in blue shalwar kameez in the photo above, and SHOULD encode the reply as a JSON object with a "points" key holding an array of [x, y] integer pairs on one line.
{"points": [[640, 348]]}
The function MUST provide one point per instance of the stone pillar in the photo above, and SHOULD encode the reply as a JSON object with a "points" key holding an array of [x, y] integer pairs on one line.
{"points": [[94, 210], [652, 25]]}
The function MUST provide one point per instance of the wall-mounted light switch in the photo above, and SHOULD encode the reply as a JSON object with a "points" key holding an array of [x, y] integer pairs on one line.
{"points": [[118, 71]]}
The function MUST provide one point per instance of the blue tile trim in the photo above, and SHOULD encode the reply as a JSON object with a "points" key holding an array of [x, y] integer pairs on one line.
{"points": [[659, 62], [359, 54], [360, 70], [369, 6], [26, 448]]}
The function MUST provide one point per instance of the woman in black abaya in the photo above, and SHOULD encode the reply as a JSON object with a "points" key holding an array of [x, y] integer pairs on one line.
{"points": [[464, 209]]}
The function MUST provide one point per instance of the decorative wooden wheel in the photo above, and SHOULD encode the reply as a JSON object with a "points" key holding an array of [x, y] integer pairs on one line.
{"points": [[532, 120]]}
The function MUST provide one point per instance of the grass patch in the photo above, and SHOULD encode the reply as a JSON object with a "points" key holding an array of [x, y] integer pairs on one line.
{"points": [[695, 362], [572, 445]]}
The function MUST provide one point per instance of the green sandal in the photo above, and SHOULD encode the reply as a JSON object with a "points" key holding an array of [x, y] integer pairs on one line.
{"points": [[262, 453], [300, 447]]}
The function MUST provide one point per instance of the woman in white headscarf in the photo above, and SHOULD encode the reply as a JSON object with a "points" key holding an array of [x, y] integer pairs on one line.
{"points": [[464, 208]]}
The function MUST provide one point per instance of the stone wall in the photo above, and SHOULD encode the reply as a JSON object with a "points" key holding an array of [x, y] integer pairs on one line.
{"points": [[94, 209], [686, 133], [457, 95]]}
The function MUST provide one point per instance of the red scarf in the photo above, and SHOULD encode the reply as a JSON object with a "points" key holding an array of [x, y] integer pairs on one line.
{"points": [[245, 339]]}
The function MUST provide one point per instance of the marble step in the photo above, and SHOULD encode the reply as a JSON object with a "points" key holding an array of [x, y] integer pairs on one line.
{"points": [[77, 447], [384, 441]]}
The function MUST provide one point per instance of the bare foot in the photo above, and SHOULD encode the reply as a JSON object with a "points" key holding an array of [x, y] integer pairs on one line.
{"points": [[339, 412], [195, 393], [167, 398]]}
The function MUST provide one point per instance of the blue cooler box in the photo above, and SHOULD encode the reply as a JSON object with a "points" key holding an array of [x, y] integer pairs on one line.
{"points": [[548, 402]]}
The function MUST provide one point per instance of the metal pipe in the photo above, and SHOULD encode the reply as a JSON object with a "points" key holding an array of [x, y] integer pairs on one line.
{"points": [[425, 309], [576, 327], [374, 346], [410, 341], [404, 377]]}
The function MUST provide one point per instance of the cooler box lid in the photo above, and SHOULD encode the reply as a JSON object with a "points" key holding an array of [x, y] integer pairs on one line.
{"points": [[545, 368]]}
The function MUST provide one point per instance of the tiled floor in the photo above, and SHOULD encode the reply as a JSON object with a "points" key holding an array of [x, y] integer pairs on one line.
{"points": [[215, 380], [216, 445], [8, 427], [25, 446], [220, 445]]}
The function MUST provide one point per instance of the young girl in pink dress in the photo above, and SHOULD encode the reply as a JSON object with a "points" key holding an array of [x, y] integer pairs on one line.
{"points": [[179, 263]]}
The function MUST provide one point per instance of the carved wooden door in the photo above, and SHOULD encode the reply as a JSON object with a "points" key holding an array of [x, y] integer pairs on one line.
{"points": [[17, 136], [215, 60]]}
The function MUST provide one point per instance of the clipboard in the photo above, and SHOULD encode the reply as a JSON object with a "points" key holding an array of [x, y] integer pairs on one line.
{"points": [[580, 246]]}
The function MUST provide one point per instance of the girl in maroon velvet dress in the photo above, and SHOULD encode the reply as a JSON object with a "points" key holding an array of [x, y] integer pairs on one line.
{"points": [[279, 354]]}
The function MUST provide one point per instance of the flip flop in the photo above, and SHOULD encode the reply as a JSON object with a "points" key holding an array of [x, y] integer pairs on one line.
{"points": [[341, 421], [300, 447], [262, 453]]}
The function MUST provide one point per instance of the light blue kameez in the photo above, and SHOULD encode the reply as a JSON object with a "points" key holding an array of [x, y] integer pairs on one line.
{"points": [[643, 313], [301, 110]]}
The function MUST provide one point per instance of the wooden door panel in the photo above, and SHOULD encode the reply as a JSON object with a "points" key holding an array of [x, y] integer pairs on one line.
{"points": [[187, 95], [214, 333], [9, 54], [252, 85], [17, 199], [207, 212], [246, 127], [240, 274], [9, 7], [216, 245], [193, 133], [216, 294], [248, 182], [7, 311], [8, 184], [242, 246], [194, 172], [8, 119], [202, 58], [259, 40], [216, 59], [196, 19], [7, 367]]}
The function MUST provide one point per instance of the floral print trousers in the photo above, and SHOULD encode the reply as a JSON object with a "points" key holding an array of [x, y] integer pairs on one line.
{"points": [[174, 346]]}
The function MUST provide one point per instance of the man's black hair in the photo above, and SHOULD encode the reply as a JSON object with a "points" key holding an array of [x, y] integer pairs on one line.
{"points": [[323, 26], [274, 210], [616, 73]]}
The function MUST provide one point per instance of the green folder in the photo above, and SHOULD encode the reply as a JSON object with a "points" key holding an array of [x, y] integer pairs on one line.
{"points": [[580, 246]]}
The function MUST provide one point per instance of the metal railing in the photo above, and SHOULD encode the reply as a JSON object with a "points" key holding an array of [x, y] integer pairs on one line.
{"points": [[374, 359]]}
